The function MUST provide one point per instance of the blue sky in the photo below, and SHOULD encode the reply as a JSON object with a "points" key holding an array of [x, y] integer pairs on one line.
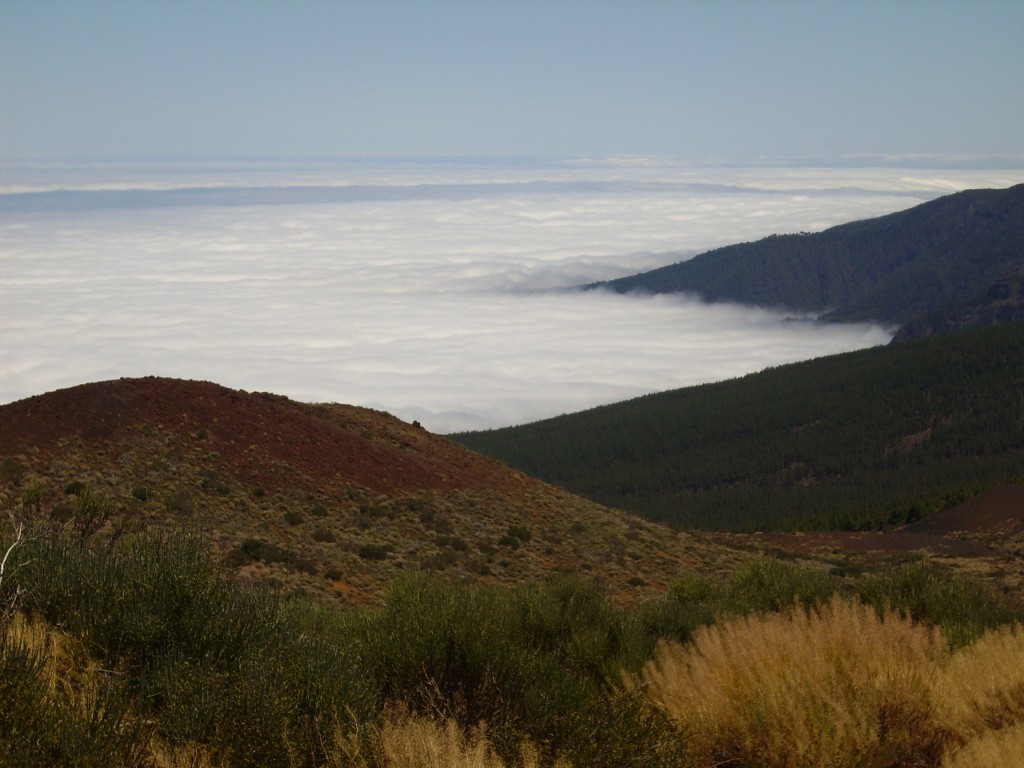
{"points": [[695, 80]]}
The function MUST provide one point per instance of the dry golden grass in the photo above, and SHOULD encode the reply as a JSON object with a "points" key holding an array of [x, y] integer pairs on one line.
{"points": [[412, 741], [984, 701], [74, 679], [161, 755], [419, 743], [994, 749], [985, 683], [836, 686], [69, 672]]}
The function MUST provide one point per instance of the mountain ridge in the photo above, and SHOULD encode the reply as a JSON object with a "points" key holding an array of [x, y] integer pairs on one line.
{"points": [[891, 269]]}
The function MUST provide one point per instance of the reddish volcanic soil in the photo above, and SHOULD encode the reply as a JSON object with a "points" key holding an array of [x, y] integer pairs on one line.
{"points": [[999, 511], [979, 527], [262, 439], [333, 499]]}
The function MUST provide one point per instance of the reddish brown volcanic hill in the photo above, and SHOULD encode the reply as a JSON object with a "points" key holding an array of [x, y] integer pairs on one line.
{"points": [[334, 499], [262, 439]]}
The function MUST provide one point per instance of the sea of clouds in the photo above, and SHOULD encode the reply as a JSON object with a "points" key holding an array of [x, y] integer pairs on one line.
{"points": [[435, 290]]}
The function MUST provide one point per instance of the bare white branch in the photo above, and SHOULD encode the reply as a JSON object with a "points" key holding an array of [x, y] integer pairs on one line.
{"points": [[19, 535]]}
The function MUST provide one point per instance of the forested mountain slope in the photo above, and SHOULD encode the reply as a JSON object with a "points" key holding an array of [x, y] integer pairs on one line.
{"points": [[889, 269], [857, 440], [1001, 302]]}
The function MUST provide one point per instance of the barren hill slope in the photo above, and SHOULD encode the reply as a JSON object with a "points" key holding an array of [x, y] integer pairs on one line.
{"points": [[258, 438], [335, 499]]}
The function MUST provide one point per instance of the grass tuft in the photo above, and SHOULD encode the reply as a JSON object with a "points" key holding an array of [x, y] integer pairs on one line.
{"points": [[838, 685], [995, 749], [985, 683]]}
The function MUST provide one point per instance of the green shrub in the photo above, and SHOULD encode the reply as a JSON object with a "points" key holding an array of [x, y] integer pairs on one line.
{"points": [[213, 483], [260, 681], [11, 470], [268, 552], [62, 513], [770, 585], [963, 608], [74, 488], [374, 551], [519, 532], [32, 497], [454, 542], [440, 560], [92, 511], [180, 502], [372, 510], [323, 534], [534, 661]]}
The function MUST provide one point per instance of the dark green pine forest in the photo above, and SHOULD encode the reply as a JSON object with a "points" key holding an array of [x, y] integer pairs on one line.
{"points": [[853, 441], [950, 259]]}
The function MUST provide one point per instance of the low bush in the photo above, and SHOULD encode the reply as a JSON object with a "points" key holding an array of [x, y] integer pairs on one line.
{"points": [[519, 532], [374, 551], [963, 608], [268, 552], [537, 662], [324, 534], [206, 660]]}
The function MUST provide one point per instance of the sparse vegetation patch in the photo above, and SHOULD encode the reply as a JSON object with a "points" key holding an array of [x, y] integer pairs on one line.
{"points": [[160, 656]]}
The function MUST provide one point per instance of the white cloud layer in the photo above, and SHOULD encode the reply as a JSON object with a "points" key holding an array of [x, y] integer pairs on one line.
{"points": [[428, 290]]}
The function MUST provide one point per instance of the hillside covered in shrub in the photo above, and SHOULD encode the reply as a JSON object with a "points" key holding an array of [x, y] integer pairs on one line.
{"points": [[333, 499]]}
